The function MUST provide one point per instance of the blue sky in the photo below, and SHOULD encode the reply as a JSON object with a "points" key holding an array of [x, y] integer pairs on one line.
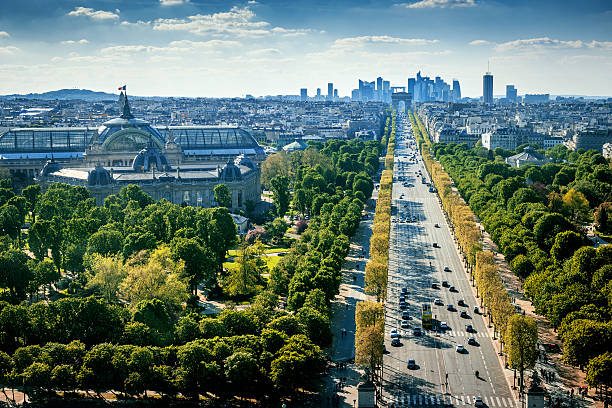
{"points": [[223, 48]]}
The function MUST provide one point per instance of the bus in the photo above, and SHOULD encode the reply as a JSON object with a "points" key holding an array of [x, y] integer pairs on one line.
{"points": [[426, 316]]}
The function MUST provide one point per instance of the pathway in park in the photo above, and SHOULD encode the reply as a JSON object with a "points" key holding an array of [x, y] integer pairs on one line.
{"points": [[340, 388]]}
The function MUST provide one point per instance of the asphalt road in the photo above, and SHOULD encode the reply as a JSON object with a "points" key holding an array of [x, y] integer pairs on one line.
{"points": [[442, 375]]}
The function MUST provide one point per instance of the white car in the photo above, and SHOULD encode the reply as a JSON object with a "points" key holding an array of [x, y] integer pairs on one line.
{"points": [[443, 326]]}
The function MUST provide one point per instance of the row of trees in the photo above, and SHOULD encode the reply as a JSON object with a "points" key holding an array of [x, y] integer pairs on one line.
{"points": [[537, 215], [369, 316], [519, 333], [377, 266]]}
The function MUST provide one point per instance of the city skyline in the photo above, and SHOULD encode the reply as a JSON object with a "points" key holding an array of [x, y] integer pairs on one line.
{"points": [[185, 48]]}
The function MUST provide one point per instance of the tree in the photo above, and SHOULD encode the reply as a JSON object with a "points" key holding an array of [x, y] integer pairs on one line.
{"points": [[316, 326], [584, 340], [32, 194], [275, 230], [599, 371], [299, 365], [15, 273], [281, 195], [577, 206], [155, 279], [45, 273], [277, 164], [369, 347], [106, 275], [521, 340], [243, 278], [376, 279], [242, 371], [566, 243], [199, 263], [11, 220], [603, 221], [547, 228], [369, 314], [105, 242], [522, 266], [223, 196]]}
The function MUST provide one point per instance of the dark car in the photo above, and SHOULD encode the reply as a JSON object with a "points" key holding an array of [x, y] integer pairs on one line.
{"points": [[411, 364], [445, 284], [469, 328], [452, 289], [460, 302], [464, 314], [405, 315], [471, 341], [435, 286], [435, 245]]}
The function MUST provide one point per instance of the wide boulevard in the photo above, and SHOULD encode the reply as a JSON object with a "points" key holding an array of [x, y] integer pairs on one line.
{"points": [[441, 374]]}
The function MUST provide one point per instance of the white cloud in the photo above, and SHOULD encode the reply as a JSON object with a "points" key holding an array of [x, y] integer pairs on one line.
{"points": [[439, 4], [95, 14], [176, 47], [204, 44], [237, 22], [172, 2], [139, 23], [480, 42], [4, 34], [8, 50], [72, 42], [358, 42], [264, 52], [545, 43]]}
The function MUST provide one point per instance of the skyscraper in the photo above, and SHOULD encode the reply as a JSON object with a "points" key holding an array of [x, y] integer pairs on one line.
{"points": [[330, 91], [456, 90], [335, 94], [318, 91], [511, 93], [411, 82], [487, 88], [379, 91], [303, 94]]}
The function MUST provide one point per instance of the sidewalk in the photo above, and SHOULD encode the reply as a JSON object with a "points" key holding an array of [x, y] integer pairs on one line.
{"points": [[340, 385]]}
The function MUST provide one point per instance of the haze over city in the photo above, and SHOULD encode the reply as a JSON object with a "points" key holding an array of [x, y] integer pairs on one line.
{"points": [[219, 48]]}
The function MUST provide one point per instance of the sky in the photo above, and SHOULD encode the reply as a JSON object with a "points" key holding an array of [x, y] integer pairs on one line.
{"points": [[222, 48]]}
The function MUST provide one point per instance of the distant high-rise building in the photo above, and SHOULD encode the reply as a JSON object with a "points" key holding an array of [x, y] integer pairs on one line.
{"points": [[330, 90], [386, 91], [335, 94], [487, 88], [456, 90], [511, 93], [379, 92], [355, 95], [411, 82], [318, 91], [303, 94]]}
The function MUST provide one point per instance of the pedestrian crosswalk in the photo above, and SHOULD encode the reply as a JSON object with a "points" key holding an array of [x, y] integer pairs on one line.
{"points": [[401, 399], [449, 333]]}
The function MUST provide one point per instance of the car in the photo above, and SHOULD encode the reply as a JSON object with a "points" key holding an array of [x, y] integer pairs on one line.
{"points": [[460, 348], [402, 298], [404, 290], [435, 286], [478, 402], [460, 302], [436, 226], [405, 315], [450, 307], [443, 326], [394, 334], [438, 302], [411, 364], [405, 324], [395, 342], [403, 305], [445, 284], [446, 269], [469, 328], [472, 341], [435, 245], [452, 289], [476, 310], [464, 314], [416, 331]]}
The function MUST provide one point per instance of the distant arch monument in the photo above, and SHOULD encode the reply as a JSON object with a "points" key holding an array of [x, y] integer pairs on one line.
{"points": [[398, 97]]}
